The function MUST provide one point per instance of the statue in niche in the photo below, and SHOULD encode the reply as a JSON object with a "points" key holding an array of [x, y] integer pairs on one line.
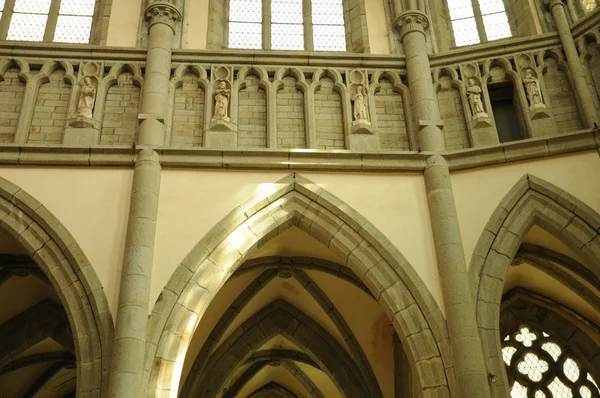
{"points": [[360, 104], [474, 94], [87, 98], [222, 95], [532, 86]]}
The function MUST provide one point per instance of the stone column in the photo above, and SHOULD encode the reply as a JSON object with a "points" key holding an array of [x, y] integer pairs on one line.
{"points": [[162, 17], [467, 354], [127, 364], [559, 14]]}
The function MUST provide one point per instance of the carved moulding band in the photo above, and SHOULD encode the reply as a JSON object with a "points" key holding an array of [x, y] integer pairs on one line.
{"points": [[160, 12], [551, 3], [411, 21]]}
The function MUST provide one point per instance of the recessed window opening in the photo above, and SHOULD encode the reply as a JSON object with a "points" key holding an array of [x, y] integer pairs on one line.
{"points": [[504, 110]]}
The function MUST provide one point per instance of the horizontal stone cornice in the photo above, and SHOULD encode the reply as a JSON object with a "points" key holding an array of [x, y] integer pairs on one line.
{"points": [[301, 159]]}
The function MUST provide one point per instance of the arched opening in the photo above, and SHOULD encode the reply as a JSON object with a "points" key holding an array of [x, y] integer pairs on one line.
{"points": [[55, 325], [217, 307]]}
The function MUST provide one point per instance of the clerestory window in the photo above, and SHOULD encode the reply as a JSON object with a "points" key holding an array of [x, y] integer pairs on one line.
{"points": [[311, 25], [477, 21], [61, 21], [538, 366]]}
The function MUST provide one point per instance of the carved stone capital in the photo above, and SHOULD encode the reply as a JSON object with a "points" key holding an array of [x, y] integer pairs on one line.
{"points": [[160, 12], [411, 21]]}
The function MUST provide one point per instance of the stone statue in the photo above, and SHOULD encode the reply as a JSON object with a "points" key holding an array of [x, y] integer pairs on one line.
{"points": [[474, 94], [360, 104], [222, 94], [532, 86], [87, 98]]}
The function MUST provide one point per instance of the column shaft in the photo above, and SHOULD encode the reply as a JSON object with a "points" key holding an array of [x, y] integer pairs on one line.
{"points": [[467, 353], [127, 364], [557, 7]]}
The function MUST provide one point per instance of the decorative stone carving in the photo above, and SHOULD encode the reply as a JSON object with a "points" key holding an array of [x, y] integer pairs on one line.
{"points": [[532, 87], [474, 93], [160, 12], [411, 21], [360, 105], [87, 99], [222, 97]]}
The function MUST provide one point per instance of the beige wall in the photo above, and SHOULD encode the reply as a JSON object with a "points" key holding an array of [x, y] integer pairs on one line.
{"points": [[124, 22], [377, 25], [93, 204], [478, 192], [196, 25], [192, 202]]}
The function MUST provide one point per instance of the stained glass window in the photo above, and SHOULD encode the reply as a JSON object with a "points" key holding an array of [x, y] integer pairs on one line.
{"points": [[542, 369], [282, 24], [29, 20], [465, 20]]}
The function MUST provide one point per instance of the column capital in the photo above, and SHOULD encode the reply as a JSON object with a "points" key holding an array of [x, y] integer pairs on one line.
{"points": [[411, 21], [160, 12], [551, 3]]}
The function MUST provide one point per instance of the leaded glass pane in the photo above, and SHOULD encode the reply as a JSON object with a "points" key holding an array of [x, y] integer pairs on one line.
{"points": [[27, 27], [589, 5], [77, 7], [73, 29], [533, 367], [491, 6], [329, 38], [559, 390], [287, 37], [465, 31], [286, 11], [571, 370], [496, 26], [245, 11], [507, 354], [32, 6], [518, 391], [327, 12], [552, 349], [245, 35], [2, 4], [460, 9], [585, 392]]}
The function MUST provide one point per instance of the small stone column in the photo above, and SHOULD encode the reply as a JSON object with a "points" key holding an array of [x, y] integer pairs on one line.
{"points": [[162, 17], [127, 366], [467, 353], [559, 14]]}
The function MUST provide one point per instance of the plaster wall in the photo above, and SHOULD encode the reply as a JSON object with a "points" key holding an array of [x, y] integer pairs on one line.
{"points": [[197, 25], [478, 192], [192, 202], [123, 25], [378, 27], [93, 204]]}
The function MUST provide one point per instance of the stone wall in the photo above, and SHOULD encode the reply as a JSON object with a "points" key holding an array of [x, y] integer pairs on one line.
{"points": [[442, 25], [252, 116], [562, 98], [290, 115], [329, 118], [188, 113], [521, 17], [121, 112], [12, 90], [51, 108], [391, 120], [453, 115], [594, 66]]}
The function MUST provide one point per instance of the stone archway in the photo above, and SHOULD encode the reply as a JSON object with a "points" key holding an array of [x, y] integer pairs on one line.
{"points": [[368, 253], [62, 261], [531, 201]]}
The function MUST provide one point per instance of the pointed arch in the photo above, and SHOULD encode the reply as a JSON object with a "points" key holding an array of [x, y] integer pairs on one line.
{"points": [[295, 201], [63, 262], [531, 201]]}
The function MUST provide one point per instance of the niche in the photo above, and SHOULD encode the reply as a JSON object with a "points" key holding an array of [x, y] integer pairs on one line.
{"points": [[505, 109]]}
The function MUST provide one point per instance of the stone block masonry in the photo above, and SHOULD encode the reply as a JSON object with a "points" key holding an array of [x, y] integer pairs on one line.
{"points": [[50, 112], [252, 116], [328, 114], [188, 113], [563, 102], [391, 120], [12, 90], [453, 115], [290, 116], [121, 112]]}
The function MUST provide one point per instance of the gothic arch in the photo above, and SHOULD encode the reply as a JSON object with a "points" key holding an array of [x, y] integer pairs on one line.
{"points": [[298, 202], [60, 258], [531, 201]]}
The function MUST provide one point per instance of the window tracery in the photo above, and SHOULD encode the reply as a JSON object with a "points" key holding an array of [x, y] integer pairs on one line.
{"points": [[539, 367], [287, 25], [64, 21], [475, 21]]}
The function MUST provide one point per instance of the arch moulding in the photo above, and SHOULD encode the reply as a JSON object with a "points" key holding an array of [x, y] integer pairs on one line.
{"points": [[295, 201]]}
